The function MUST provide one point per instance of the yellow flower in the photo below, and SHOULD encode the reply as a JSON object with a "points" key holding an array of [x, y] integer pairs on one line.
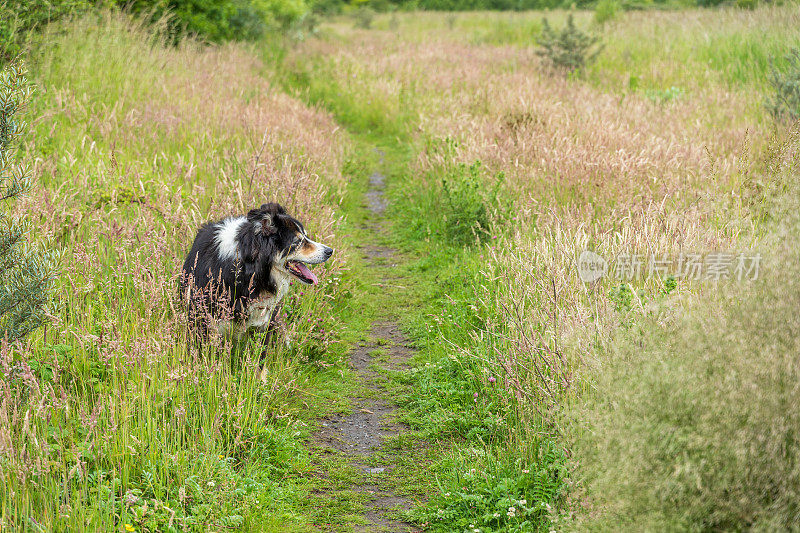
{"points": [[129, 528]]}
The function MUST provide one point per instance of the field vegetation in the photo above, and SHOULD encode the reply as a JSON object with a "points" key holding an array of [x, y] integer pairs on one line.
{"points": [[641, 152], [109, 416], [549, 403]]}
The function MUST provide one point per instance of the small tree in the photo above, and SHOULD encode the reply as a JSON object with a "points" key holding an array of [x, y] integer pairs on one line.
{"points": [[26, 272], [785, 101], [570, 49]]}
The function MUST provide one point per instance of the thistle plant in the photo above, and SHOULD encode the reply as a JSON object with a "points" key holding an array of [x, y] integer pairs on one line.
{"points": [[26, 271]]}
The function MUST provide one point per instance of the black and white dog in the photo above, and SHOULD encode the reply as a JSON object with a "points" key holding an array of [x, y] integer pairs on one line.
{"points": [[240, 268]]}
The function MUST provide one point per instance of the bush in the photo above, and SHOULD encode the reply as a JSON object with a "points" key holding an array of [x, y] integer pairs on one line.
{"points": [[570, 49], [363, 17], [19, 17], [223, 20], [27, 272], [606, 10], [467, 195], [785, 102]]}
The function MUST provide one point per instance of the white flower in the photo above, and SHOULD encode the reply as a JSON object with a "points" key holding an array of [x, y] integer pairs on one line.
{"points": [[497, 515], [210, 483], [523, 502]]}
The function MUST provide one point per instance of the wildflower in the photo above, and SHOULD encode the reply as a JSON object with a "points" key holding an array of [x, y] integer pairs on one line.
{"points": [[523, 502], [210, 483], [526, 471], [491, 379], [476, 394], [129, 528], [497, 515], [221, 456], [131, 498]]}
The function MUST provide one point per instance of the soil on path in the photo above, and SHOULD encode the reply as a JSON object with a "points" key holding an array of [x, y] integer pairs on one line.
{"points": [[358, 435]]}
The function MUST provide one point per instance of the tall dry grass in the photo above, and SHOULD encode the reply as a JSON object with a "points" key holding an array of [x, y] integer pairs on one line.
{"points": [[584, 168], [690, 427], [109, 416], [662, 147]]}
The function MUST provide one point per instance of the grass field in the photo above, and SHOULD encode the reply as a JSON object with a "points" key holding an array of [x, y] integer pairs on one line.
{"points": [[535, 402]]}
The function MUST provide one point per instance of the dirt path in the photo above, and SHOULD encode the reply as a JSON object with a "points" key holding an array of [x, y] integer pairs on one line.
{"points": [[359, 435]]}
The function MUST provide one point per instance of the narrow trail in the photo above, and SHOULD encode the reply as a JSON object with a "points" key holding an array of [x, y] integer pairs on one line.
{"points": [[358, 436]]}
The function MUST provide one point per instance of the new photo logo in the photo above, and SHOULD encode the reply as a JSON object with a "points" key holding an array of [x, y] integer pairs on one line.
{"points": [[711, 266]]}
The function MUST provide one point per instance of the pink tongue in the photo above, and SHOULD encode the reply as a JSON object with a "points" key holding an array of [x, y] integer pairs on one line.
{"points": [[307, 273]]}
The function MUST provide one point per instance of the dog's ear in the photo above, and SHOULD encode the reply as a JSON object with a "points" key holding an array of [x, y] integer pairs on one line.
{"points": [[273, 208], [265, 219]]}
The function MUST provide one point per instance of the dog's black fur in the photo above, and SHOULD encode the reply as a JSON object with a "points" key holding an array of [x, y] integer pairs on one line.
{"points": [[221, 278]]}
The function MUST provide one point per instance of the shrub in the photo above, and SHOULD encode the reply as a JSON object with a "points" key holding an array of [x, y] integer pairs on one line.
{"points": [[363, 17], [466, 196], [223, 20], [785, 101], [457, 202], [19, 17], [570, 49], [27, 272], [606, 10]]}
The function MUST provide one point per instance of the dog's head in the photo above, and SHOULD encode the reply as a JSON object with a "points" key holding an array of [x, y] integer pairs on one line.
{"points": [[286, 244]]}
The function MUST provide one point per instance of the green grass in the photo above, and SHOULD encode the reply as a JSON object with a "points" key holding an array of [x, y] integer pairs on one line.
{"points": [[117, 419], [495, 457], [685, 47], [134, 155], [447, 398]]}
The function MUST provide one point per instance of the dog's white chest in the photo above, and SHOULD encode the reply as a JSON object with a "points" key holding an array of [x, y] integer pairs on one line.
{"points": [[259, 312]]}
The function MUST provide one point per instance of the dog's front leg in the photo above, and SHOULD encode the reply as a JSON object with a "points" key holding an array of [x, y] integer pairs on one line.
{"points": [[271, 330], [266, 342]]}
